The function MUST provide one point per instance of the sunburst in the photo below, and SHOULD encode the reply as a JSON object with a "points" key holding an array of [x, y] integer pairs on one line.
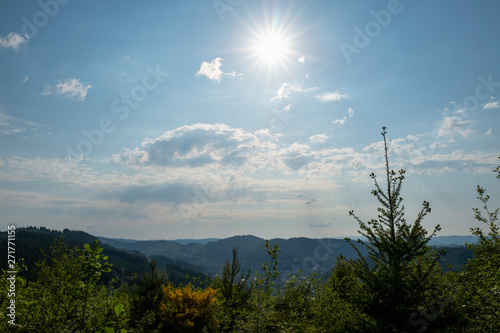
{"points": [[270, 45]]}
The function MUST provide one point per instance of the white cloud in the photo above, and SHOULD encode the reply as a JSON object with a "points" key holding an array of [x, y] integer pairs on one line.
{"points": [[233, 74], [211, 69], [26, 78], [213, 72], [331, 96], [492, 105], [13, 41], [340, 121], [489, 132], [302, 59], [319, 138], [71, 88], [195, 146], [287, 89], [453, 125]]}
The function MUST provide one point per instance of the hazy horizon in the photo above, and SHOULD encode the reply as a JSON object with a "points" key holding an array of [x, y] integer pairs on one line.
{"points": [[206, 119]]}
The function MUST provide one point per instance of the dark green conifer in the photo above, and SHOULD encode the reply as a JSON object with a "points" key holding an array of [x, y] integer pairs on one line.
{"points": [[399, 271]]}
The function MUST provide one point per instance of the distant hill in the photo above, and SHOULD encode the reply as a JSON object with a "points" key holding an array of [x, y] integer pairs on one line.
{"points": [[201, 258], [295, 253], [452, 240], [195, 241], [32, 242]]}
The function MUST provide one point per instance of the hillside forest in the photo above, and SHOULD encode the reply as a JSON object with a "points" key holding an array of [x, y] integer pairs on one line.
{"points": [[394, 281]]}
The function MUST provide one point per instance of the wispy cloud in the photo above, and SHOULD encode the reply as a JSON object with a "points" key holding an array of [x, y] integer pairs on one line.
{"points": [[302, 59], [233, 74], [13, 40], [452, 125], [71, 88], [26, 78], [322, 224], [331, 96], [350, 112], [287, 89], [492, 105], [319, 138], [11, 125], [342, 121]]}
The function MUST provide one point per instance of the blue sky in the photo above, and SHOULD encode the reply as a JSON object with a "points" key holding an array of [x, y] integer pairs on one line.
{"points": [[195, 119]]}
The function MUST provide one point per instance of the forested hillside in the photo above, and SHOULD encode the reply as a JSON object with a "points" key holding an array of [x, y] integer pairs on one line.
{"points": [[33, 244]]}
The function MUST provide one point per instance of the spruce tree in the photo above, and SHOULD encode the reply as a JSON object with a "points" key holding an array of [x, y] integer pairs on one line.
{"points": [[399, 272], [235, 291]]}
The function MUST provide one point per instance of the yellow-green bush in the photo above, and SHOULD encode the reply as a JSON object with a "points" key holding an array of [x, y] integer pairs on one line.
{"points": [[186, 309]]}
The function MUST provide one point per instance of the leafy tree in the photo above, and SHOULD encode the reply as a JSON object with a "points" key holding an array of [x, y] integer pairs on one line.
{"points": [[270, 269], [294, 309], [263, 300], [401, 275], [481, 277], [339, 304], [66, 296]]}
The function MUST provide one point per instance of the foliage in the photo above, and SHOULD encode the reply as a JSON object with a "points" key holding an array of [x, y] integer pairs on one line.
{"points": [[270, 270], [481, 277], [402, 273], [497, 170], [146, 298], [262, 316], [33, 242], [295, 305], [338, 303], [234, 292], [66, 296], [186, 309]]}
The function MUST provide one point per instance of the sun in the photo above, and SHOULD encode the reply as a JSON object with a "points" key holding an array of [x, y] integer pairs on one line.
{"points": [[271, 47], [270, 44]]}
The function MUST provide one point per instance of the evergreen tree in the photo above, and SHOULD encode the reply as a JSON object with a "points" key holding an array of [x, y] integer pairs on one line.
{"points": [[146, 301], [235, 291], [399, 273]]}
